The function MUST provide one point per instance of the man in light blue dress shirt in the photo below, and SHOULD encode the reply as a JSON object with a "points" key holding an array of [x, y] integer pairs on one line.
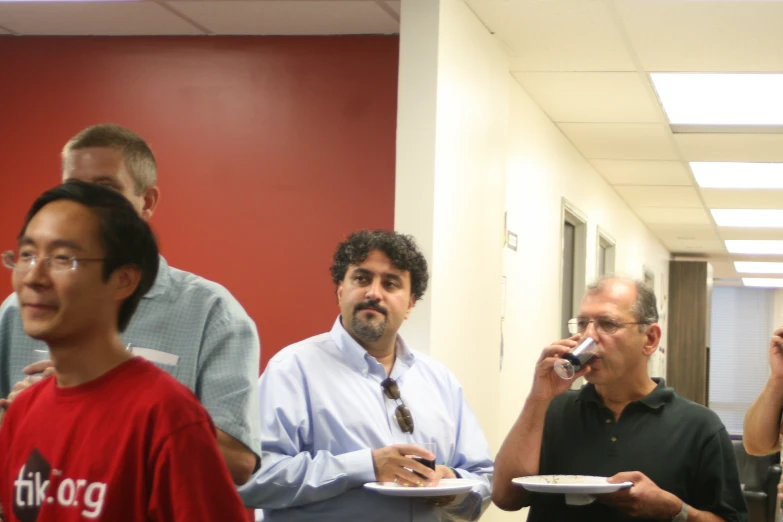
{"points": [[351, 406], [188, 326]]}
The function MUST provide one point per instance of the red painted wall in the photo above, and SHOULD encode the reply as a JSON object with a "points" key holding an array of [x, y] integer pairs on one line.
{"points": [[270, 151]]}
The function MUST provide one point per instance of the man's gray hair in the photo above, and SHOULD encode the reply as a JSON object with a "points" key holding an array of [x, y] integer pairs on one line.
{"points": [[137, 155], [645, 309]]}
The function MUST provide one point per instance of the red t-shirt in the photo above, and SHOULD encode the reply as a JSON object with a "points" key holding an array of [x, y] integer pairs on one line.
{"points": [[131, 445]]}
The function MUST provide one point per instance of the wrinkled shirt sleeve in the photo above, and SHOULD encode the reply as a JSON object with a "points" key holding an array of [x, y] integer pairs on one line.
{"points": [[290, 474], [472, 459]]}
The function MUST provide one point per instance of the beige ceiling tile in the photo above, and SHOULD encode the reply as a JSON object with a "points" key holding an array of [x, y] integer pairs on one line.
{"points": [[620, 172], [395, 5], [750, 233], [696, 247], [728, 198], [658, 196], [281, 17], [761, 258], [628, 141], [92, 18], [726, 281], [679, 232], [556, 35], [731, 147], [673, 216], [591, 96], [705, 36], [723, 268]]}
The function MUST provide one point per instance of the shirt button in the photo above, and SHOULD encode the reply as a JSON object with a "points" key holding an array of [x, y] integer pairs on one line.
{"points": [[364, 371], [608, 421], [614, 439]]}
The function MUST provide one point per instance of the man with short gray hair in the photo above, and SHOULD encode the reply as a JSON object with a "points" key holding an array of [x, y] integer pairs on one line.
{"points": [[622, 425]]}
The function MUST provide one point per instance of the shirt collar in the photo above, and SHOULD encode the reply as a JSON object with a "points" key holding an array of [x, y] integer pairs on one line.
{"points": [[162, 280], [358, 357], [659, 396], [656, 399]]}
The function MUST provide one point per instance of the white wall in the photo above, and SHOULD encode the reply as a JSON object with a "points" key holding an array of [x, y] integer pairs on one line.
{"points": [[472, 123], [417, 102], [456, 157], [470, 144]]}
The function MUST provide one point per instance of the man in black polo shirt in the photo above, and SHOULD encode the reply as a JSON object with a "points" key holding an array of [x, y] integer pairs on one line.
{"points": [[622, 424]]}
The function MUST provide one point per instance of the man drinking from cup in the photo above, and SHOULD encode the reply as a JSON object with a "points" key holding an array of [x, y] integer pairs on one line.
{"points": [[622, 425]]}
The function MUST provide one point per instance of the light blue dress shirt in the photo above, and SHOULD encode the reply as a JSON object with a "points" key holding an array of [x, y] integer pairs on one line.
{"points": [[322, 412], [214, 344]]}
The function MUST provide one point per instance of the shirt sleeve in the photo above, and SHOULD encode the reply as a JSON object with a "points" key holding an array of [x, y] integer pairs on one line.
{"points": [[8, 307], [228, 372], [719, 490], [191, 481], [16, 347], [290, 475], [472, 459]]}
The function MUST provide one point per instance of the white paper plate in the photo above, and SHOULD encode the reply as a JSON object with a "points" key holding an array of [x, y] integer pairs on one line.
{"points": [[444, 488], [583, 484]]}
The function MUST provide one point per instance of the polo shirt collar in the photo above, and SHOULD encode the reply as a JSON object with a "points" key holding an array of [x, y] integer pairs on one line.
{"points": [[659, 396], [656, 399]]}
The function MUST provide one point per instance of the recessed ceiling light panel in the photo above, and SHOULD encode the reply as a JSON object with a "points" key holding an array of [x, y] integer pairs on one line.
{"points": [[748, 217], [720, 99], [764, 282], [755, 246], [712, 174], [758, 267]]}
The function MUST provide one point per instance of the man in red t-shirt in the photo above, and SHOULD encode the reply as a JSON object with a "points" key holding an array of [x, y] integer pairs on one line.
{"points": [[110, 437]]}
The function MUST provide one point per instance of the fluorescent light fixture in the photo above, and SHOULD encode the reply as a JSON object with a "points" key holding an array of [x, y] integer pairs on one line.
{"points": [[720, 99], [758, 267], [720, 174], [765, 282], [748, 217], [754, 246]]}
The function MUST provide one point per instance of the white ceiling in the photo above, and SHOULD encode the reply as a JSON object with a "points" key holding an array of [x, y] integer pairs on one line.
{"points": [[587, 64], [189, 17]]}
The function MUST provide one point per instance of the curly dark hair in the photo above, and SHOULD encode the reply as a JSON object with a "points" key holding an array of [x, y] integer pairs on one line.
{"points": [[399, 248]]}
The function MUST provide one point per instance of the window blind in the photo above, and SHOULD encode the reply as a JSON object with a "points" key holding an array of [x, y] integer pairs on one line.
{"points": [[741, 326]]}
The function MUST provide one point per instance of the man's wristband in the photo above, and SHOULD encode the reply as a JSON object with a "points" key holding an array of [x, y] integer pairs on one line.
{"points": [[682, 516]]}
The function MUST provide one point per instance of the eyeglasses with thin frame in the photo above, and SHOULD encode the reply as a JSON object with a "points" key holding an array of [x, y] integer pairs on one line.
{"points": [[603, 325], [24, 261], [401, 413]]}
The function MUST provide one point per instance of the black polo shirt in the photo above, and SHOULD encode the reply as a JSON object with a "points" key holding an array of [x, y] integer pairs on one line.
{"points": [[681, 446]]}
